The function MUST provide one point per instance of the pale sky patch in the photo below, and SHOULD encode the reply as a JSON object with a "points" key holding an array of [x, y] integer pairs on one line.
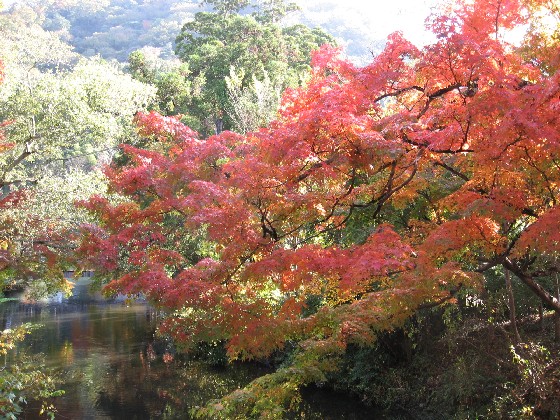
{"points": [[374, 20]]}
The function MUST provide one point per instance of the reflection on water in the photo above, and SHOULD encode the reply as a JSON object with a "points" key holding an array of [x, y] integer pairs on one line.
{"points": [[113, 368]]}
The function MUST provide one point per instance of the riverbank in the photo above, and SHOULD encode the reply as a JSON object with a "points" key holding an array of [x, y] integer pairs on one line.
{"points": [[111, 363]]}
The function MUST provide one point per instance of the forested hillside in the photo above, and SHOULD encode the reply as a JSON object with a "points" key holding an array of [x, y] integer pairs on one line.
{"points": [[115, 28], [389, 230]]}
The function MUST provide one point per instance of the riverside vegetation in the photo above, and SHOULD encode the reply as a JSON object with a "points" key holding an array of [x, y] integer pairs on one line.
{"points": [[388, 230]]}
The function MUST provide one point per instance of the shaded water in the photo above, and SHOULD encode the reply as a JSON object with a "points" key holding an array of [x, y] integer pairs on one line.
{"points": [[112, 367]]}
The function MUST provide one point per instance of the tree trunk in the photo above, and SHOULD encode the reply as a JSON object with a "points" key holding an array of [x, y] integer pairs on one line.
{"points": [[488, 310], [511, 304], [541, 316], [557, 315], [219, 125]]}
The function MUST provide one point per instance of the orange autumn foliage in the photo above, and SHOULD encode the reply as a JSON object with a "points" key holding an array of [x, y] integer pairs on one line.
{"points": [[235, 234]]}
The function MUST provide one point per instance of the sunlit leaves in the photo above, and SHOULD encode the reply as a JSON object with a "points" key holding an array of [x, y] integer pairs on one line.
{"points": [[377, 191]]}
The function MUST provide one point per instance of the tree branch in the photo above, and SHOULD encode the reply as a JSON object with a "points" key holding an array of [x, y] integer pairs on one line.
{"points": [[452, 170], [19, 159], [444, 299], [437, 94], [398, 92], [540, 291]]}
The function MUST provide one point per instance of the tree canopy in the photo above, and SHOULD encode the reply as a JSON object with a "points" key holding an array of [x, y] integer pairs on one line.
{"points": [[66, 116], [215, 43], [378, 191]]}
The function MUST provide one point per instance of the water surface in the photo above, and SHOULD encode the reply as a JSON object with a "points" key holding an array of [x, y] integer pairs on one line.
{"points": [[113, 368]]}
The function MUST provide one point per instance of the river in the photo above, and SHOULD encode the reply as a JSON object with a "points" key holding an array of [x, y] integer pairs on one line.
{"points": [[112, 367]]}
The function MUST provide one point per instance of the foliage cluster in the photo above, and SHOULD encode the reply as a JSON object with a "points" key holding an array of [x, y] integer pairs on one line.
{"points": [[25, 379], [382, 190], [233, 69], [64, 117], [425, 178]]}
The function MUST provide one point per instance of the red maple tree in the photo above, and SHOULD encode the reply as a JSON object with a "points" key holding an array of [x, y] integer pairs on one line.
{"points": [[379, 190]]}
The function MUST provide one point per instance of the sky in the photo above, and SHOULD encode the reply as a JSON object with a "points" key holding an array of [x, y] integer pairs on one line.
{"points": [[381, 17], [367, 23]]}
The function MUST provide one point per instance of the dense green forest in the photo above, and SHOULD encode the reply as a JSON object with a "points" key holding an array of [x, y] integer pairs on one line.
{"points": [[388, 230]]}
